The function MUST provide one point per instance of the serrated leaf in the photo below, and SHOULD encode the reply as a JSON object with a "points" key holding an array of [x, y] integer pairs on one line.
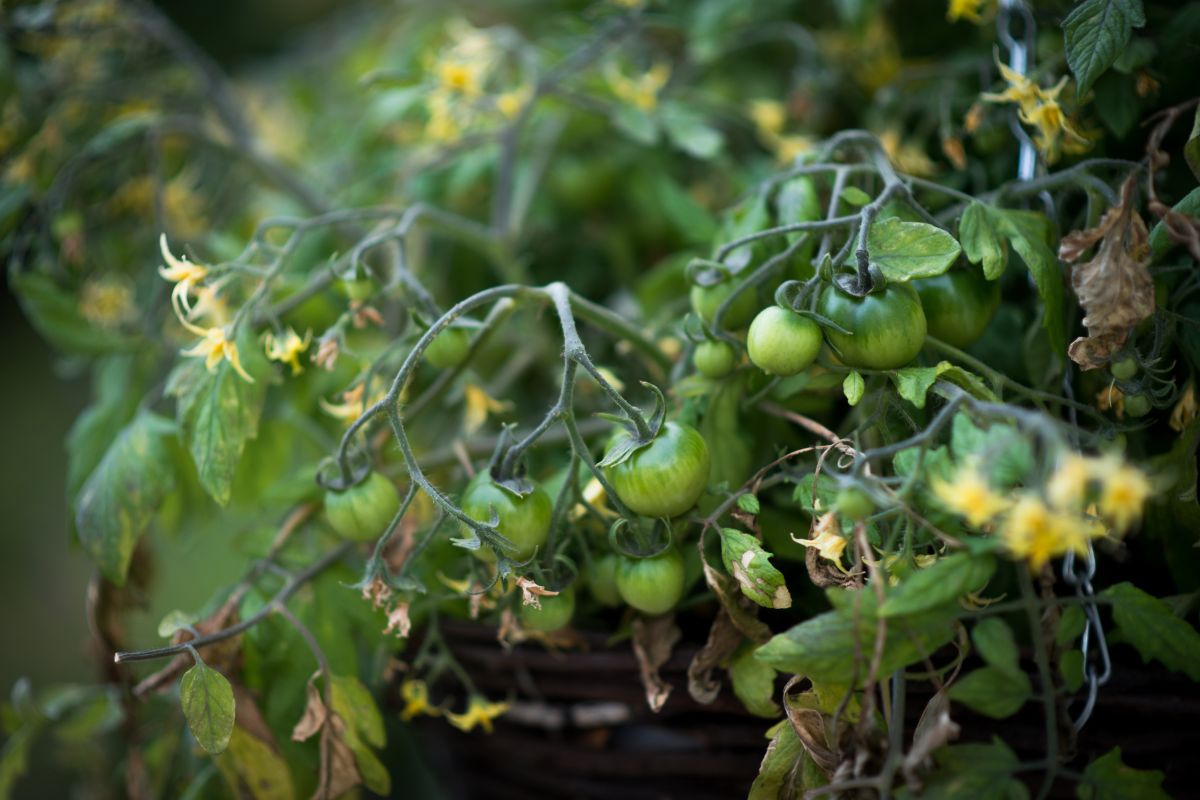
{"points": [[994, 641], [750, 565], [753, 683], [1028, 233], [907, 250], [1107, 778], [1095, 33], [980, 241], [208, 706], [824, 648], [219, 412], [853, 387], [748, 503], [949, 578], [124, 492], [780, 765], [914, 383], [993, 692], [1148, 624]]}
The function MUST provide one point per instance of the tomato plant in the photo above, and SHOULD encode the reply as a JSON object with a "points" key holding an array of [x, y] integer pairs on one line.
{"points": [[666, 477], [652, 585], [782, 342], [364, 511], [448, 349], [552, 613], [522, 519], [884, 329], [958, 305], [707, 299], [714, 359]]}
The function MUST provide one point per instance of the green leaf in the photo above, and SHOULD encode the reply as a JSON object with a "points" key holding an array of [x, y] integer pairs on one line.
{"points": [[1107, 778], [124, 492], [994, 641], [907, 250], [1070, 626], [1160, 240], [971, 383], [980, 241], [354, 703], [254, 770], [1070, 667], [56, 316], [853, 387], [824, 648], [219, 412], [1095, 33], [1148, 624], [1028, 232], [748, 503], [855, 196], [636, 124], [949, 578], [1007, 454], [976, 771], [936, 463], [750, 566], [753, 683], [14, 758], [688, 131], [993, 692], [175, 621], [208, 705], [117, 384], [777, 775], [749, 216], [1117, 102], [914, 383], [1191, 150]]}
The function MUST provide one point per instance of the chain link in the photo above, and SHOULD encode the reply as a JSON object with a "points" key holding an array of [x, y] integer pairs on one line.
{"points": [[1015, 16]]}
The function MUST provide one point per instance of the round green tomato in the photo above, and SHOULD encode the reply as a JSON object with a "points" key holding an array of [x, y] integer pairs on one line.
{"points": [[358, 288], [1124, 369], [887, 328], [524, 521], [666, 477], [854, 504], [449, 348], [1137, 405], [555, 613], [603, 580], [958, 305], [364, 511], [782, 342], [714, 359], [707, 299], [652, 585]]}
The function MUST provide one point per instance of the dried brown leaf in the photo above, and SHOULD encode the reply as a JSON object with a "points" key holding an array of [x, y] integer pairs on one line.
{"points": [[1114, 288], [315, 713], [741, 612], [809, 725], [338, 772], [934, 729], [653, 640], [723, 639]]}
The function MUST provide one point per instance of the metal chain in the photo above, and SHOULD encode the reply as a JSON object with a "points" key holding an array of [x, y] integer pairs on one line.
{"points": [[1020, 51]]}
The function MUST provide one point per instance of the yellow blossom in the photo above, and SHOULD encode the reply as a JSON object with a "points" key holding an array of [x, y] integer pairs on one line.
{"points": [[970, 10], [1021, 90], [1185, 411], [1069, 483], [352, 406], [1123, 492], [1112, 399], [769, 116], [828, 541], [458, 76], [1041, 109], [214, 346], [907, 156], [511, 102], [480, 711], [183, 273], [971, 496], [1036, 533], [107, 302], [287, 349], [415, 695], [642, 91], [479, 404]]}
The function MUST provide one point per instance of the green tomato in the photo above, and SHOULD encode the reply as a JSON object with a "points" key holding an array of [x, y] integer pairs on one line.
{"points": [[603, 580], [359, 288], [714, 359], [1125, 369], [555, 613], [854, 504], [1137, 405], [887, 328], [449, 348], [363, 511], [652, 585], [524, 521], [782, 342], [707, 299], [666, 477], [958, 305]]}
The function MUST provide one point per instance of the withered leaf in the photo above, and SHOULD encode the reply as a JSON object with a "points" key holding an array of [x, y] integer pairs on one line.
{"points": [[723, 639], [742, 614], [653, 640], [934, 729], [315, 713], [339, 770], [1114, 288]]}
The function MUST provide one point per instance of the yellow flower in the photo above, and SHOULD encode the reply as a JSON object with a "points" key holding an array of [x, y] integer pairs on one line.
{"points": [[107, 302], [288, 349], [970, 495], [970, 10], [769, 116], [215, 346], [1185, 411], [1041, 109], [1069, 483], [642, 91], [828, 541], [1123, 492], [1036, 533], [459, 76], [183, 273], [1021, 90], [478, 405], [416, 700], [907, 156], [351, 407], [480, 711]]}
